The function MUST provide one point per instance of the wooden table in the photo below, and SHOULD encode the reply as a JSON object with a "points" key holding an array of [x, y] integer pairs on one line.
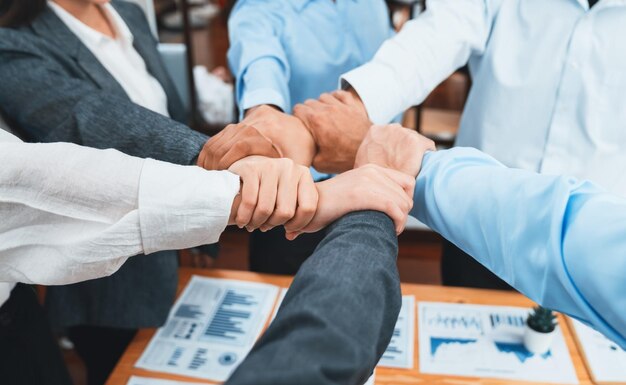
{"points": [[384, 376]]}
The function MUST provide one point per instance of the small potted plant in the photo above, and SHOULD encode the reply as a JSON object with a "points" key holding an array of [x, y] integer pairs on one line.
{"points": [[539, 331]]}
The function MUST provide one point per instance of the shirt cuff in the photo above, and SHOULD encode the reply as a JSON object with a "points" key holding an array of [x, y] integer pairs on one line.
{"points": [[183, 206], [262, 96], [372, 82]]}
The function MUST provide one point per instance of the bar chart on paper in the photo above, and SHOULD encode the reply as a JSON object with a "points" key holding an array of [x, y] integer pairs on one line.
{"points": [[486, 341], [211, 328], [399, 353]]}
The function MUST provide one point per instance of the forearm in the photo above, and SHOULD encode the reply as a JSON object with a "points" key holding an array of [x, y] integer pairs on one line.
{"points": [[541, 234], [74, 213], [51, 105], [425, 52], [325, 331], [256, 55], [131, 129]]}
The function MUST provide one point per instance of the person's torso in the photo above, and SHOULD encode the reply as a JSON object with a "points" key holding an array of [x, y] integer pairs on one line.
{"points": [[119, 57], [324, 39], [549, 92]]}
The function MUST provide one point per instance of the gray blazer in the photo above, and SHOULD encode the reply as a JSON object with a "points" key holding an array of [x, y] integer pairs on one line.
{"points": [[52, 88], [339, 314]]}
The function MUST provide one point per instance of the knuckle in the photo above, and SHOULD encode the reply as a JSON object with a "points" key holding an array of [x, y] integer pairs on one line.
{"points": [[308, 209], [285, 213], [264, 211], [248, 203]]}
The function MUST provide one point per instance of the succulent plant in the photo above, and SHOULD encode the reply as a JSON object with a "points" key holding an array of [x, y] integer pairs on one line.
{"points": [[542, 320]]}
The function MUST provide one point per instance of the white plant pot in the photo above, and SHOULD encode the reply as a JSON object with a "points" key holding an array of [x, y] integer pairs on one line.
{"points": [[536, 342]]}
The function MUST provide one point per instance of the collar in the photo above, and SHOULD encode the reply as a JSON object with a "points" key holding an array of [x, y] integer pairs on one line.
{"points": [[88, 34]]}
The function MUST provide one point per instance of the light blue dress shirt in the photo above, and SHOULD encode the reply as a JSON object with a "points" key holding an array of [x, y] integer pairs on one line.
{"points": [[285, 52], [549, 80], [558, 240]]}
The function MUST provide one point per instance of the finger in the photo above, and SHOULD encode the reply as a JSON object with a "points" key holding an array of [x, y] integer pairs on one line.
{"points": [[307, 204], [227, 143], [267, 199], [394, 204], [286, 201], [305, 114], [329, 99], [247, 147], [249, 198], [293, 235], [202, 155], [213, 147], [314, 104], [407, 182], [343, 96]]}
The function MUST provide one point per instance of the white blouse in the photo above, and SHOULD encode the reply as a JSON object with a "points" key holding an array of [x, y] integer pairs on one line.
{"points": [[119, 57], [70, 213]]}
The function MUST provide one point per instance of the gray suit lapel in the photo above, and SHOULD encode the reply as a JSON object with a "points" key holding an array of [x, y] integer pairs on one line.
{"points": [[145, 44], [49, 27]]}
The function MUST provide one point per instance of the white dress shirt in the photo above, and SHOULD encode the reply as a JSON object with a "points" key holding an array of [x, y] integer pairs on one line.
{"points": [[72, 213], [549, 80], [119, 57]]}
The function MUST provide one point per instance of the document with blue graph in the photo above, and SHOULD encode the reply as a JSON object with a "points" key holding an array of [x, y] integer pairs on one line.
{"points": [[399, 353], [487, 342], [211, 328]]}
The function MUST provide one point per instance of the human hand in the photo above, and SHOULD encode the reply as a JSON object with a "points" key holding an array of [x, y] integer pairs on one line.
{"points": [[338, 123], [274, 192], [265, 131], [370, 187], [234, 143], [288, 134], [393, 146]]}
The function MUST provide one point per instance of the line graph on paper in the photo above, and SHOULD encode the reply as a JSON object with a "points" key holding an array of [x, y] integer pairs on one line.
{"points": [[486, 341]]}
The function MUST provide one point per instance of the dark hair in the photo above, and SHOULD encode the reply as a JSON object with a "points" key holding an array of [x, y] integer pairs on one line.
{"points": [[17, 13]]}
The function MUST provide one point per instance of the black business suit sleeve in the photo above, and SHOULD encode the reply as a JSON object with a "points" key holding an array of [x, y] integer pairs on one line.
{"points": [[339, 314]]}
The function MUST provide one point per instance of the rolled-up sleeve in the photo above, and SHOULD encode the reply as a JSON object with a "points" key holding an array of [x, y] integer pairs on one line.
{"points": [[410, 65], [558, 240], [256, 55]]}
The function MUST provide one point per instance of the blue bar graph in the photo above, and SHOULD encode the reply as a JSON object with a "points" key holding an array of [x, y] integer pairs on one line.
{"points": [[173, 361], [506, 320], [233, 317], [189, 311], [199, 359]]}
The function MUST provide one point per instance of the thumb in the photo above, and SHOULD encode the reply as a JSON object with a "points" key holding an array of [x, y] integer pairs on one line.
{"points": [[292, 235]]}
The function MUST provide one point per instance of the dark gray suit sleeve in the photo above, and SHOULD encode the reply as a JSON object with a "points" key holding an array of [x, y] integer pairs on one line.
{"points": [[50, 105], [339, 314]]}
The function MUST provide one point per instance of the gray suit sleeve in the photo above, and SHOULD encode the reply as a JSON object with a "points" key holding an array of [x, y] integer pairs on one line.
{"points": [[339, 314], [50, 105]]}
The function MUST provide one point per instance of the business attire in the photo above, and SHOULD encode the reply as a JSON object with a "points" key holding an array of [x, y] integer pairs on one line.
{"points": [[54, 88], [557, 239], [60, 228], [285, 52], [547, 91], [339, 313], [72, 214]]}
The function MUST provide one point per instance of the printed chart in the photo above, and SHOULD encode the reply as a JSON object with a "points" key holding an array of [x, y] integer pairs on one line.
{"points": [[399, 353], [604, 358], [486, 341], [210, 329]]}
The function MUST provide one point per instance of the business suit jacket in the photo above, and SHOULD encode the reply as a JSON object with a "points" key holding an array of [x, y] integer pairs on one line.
{"points": [[52, 88], [339, 313]]}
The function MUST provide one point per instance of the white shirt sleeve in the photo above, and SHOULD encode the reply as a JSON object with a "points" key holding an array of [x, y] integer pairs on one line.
{"points": [[410, 65], [71, 213]]}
